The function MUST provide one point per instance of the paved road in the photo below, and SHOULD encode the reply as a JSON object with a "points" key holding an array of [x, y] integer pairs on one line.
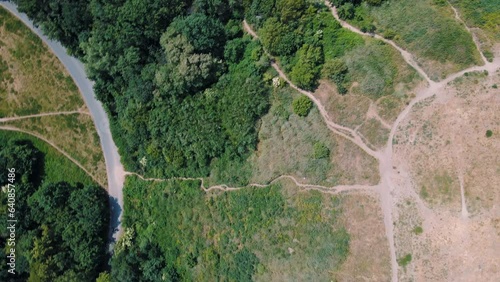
{"points": [[114, 167]]}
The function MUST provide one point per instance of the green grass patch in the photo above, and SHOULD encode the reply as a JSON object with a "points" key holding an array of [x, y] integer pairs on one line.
{"points": [[57, 167], [235, 236], [375, 133], [440, 43], [484, 14], [74, 134], [418, 230], [379, 70]]}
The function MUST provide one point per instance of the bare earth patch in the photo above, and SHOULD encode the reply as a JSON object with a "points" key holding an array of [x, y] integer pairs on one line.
{"points": [[443, 152]]}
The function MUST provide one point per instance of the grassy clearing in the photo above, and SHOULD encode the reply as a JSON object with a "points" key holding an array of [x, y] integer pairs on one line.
{"points": [[389, 107], [380, 71], [375, 132], [256, 234], [57, 167], [74, 134], [429, 31], [287, 147], [484, 17], [32, 80]]}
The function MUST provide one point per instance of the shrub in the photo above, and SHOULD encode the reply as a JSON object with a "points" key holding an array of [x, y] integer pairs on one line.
{"points": [[418, 230], [336, 70], [404, 261], [306, 71], [320, 151], [389, 33], [489, 133], [302, 106], [346, 11], [494, 86]]}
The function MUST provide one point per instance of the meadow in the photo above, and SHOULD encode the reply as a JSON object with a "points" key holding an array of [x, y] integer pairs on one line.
{"points": [[177, 231], [428, 29]]}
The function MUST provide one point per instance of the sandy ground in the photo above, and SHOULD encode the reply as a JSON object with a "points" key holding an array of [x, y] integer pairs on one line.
{"points": [[442, 145]]}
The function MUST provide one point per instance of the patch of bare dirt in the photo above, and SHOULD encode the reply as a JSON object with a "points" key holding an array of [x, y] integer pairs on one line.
{"points": [[443, 153]]}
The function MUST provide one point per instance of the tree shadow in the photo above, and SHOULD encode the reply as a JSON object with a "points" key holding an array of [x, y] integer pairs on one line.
{"points": [[115, 212]]}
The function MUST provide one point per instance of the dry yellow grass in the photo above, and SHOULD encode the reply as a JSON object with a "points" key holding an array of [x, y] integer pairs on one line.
{"points": [[368, 249], [74, 134], [32, 80]]}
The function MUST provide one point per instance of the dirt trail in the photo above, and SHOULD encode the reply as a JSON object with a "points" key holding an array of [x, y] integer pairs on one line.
{"points": [[223, 187], [6, 119], [476, 42], [11, 128], [343, 131]]}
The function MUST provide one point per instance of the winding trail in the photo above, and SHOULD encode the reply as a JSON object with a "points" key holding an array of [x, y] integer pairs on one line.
{"points": [[114, 168], [406, 55], [7, 119], [223, 187], [476, 41]]}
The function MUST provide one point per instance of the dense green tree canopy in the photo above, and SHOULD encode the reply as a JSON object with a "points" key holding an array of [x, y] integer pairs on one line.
{"points": [[61, 230]]}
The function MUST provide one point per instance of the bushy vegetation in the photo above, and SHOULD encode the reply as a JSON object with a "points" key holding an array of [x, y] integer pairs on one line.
{"points": [[418, 230], [304, 36], [404, 261], [302, 105], [182, 87], [489, 133], [181, 233], [61, 228]]}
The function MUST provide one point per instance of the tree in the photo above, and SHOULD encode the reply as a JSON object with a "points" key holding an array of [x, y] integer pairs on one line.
{"points": [[234, 49], [205, 34], [290, 10], [185, 72], [103, 277], [306, 71], [277, 38], [68, 21], [337, 71], [302, 106]]}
